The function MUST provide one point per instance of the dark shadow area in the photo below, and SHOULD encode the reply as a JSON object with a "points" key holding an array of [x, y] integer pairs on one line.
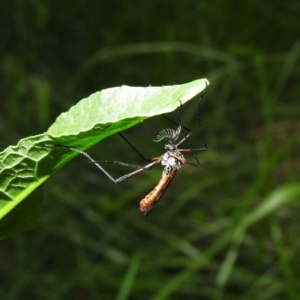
{"points": [[91, 241]]}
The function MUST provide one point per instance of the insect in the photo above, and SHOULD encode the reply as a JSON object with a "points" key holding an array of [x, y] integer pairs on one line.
{"points": [[172, 160]]}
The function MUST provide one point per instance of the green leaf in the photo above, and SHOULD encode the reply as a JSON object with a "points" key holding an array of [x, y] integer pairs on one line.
{"points": [[24, 215], [115, 109], [26, 166]]}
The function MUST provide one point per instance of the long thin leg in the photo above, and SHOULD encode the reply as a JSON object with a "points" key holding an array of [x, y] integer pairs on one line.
{"points": [[130, 144], [126, 164], [185, 138], [189, 134], [183, 160], [191, 149], [178, 123], [132, 173], [197, 164], [179, 110], [153, 163], [116, 162]]}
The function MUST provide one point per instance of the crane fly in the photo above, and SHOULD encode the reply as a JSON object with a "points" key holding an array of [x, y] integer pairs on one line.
{"points": [[172, 160]]}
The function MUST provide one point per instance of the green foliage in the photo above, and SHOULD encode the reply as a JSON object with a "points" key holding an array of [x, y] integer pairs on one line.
{"points": [[23, 168], [227, 230], [27, 165]]}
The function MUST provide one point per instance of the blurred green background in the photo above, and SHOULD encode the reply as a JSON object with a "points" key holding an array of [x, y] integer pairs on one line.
{"points": [[229, 230]]}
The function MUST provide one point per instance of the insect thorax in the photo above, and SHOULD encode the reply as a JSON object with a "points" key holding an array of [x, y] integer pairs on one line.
{"points": [[170, 158], [170, 162]]}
